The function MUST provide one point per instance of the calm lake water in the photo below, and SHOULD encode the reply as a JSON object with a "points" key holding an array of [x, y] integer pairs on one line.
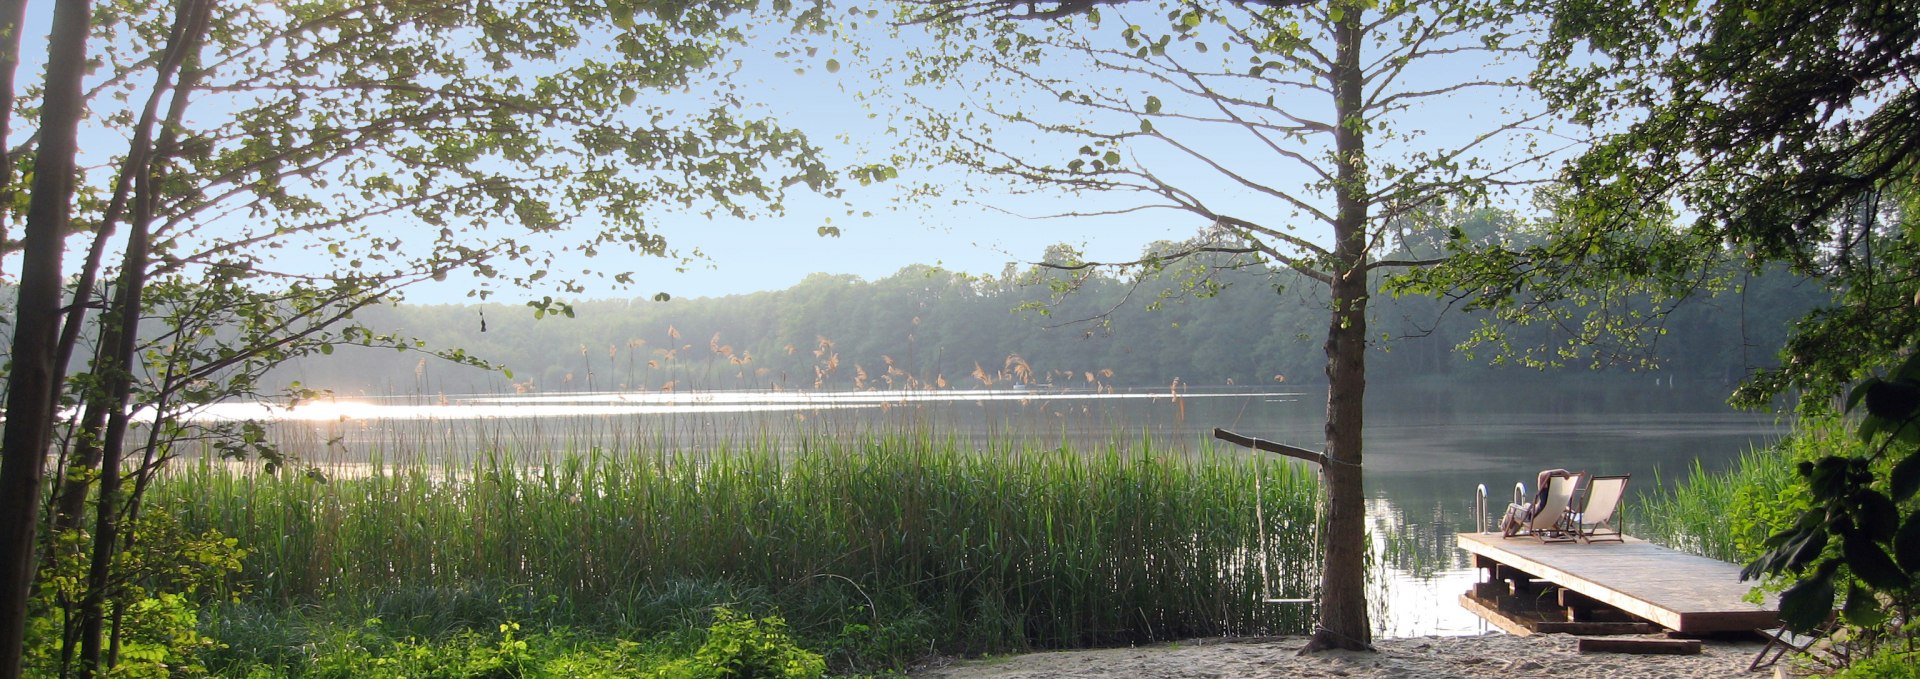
{"points": [[1426, 447]]}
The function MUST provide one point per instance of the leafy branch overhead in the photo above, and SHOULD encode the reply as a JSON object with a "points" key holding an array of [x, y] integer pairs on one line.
{"points": [[1774, 133], [497, 131], [1217, 112]]}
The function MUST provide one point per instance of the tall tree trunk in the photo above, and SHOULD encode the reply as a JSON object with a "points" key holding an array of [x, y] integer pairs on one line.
{"points": [[13, 16], [1343, 595], [32, 392]]}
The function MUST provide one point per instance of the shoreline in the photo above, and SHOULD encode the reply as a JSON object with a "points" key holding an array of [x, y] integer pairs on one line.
{"points": [[1490, 655]]}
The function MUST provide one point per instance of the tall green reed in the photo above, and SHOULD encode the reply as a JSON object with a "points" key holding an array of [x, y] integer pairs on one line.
{"points": [[1728, 514], [1015, 546]]}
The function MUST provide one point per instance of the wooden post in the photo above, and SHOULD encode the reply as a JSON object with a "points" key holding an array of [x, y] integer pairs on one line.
{"points": [[1640, 646]]}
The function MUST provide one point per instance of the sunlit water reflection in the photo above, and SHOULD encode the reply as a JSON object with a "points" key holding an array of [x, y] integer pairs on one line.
{"points": [[1426, 448]]}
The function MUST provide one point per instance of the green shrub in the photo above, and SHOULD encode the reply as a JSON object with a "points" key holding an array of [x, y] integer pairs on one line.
{"points": [[742, 647], [155, 593], [1888, 663]]}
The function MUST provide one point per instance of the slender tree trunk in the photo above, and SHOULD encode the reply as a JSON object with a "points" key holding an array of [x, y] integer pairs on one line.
{"points": [[123, 324], [189, 27], [107, 510], [1343, 620], [32, 392], [13, 15]]}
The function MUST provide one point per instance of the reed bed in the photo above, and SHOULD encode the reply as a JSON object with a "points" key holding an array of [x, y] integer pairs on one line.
{"points": [[1010, 547], [1725, 515]]}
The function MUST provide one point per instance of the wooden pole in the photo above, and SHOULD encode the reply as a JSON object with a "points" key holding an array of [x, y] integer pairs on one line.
{"points": [[1264, 445]]}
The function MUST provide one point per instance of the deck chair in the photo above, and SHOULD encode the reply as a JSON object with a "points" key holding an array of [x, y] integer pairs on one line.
{"points": [[1546, 517], [1594, 521], [1781, 641]]}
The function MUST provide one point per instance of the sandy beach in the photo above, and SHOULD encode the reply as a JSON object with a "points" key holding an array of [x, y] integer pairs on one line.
{"points": [[1493, 655]]}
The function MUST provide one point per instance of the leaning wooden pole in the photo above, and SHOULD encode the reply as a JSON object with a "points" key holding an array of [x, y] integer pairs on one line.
{"points": [[1266, 446]]}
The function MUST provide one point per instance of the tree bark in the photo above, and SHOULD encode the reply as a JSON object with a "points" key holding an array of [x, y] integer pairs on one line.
{"points": [[13, 14], [32, 392], [1344, 622]]}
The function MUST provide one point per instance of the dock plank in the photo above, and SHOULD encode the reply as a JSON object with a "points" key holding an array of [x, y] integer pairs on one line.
{"points": [[1679, 591]]}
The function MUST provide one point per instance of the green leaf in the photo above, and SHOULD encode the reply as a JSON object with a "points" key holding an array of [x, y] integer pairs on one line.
{"points": [[833, 65], [1871, 564], [1153, 104], [1862, 607], [1859, 392], [1896, 400], [1111, 157], [1336, 13], [1807, 549], [326, 349], [627, 95], [1829, 478], [1904, 481], [1909, 369], [1807, 603], [1868, 428], [1879, 516], [1146, 126], [1191, 20], [1906, 543]]}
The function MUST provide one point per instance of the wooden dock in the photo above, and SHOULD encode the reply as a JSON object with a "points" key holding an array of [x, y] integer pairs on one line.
{"points": [[1681, 592]]}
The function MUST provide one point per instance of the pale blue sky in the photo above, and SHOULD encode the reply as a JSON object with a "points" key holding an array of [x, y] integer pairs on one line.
{"points": [[776, 252]]}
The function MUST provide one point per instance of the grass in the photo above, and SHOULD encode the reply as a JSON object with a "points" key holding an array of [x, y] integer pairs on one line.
{"points": [[876, 549]]}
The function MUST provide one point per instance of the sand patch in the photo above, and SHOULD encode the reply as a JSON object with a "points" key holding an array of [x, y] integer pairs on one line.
{"points": [[1494, 655]]}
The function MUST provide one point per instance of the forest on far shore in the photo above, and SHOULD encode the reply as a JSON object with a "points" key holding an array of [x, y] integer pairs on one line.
{"points": [[1210, 324]]}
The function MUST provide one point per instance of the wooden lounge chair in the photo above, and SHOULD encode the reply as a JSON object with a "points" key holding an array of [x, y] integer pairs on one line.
{"points": [[1546, 518], [1594, 521]]}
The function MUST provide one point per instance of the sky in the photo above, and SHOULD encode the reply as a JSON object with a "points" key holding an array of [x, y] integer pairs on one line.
{"points": [[984, 228], [975, 229]]}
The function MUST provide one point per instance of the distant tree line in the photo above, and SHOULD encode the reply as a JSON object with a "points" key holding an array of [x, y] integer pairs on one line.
{"points": [[929, 328]]}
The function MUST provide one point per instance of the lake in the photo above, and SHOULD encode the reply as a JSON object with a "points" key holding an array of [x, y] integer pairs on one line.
{"points": [[1426, 447]]}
